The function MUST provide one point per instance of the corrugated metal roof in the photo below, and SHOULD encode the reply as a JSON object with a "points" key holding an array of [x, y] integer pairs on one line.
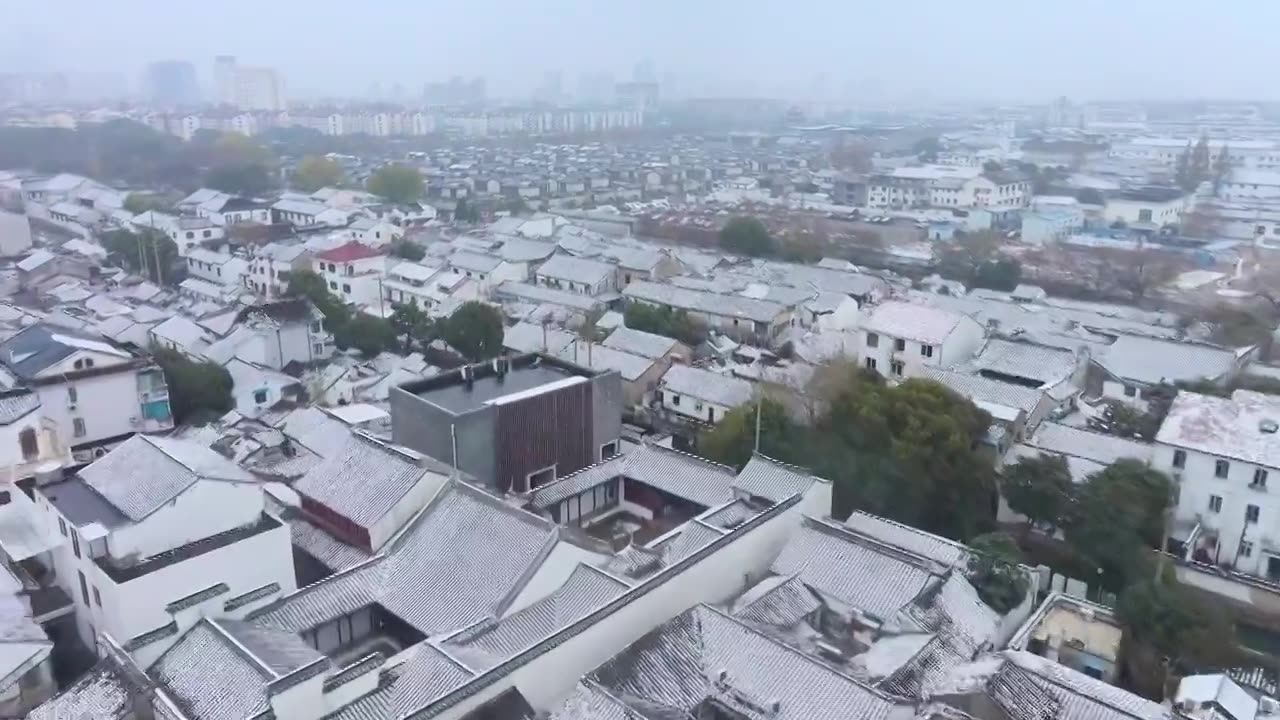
{"points": [[491, 642]]}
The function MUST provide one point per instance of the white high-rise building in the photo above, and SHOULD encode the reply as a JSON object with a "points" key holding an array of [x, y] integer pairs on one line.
{"points": [[224, 79], [259, 88]]}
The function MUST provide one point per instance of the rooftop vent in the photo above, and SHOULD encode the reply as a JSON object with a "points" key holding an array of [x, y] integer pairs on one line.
{"points": [[1269, 426]]}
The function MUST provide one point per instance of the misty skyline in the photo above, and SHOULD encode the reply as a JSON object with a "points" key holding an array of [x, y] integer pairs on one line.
{"points": [[987, 50]]}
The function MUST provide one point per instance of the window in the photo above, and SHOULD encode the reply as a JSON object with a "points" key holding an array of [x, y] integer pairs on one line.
{"points": [[78, 428], [1221, 468], [1180, 459], [873, 340], [1130, 391], [333, 285], [84, 589], [78, 364], [4, 497], [62, 525], [28, 443], [318, 348], [88, 362], [333, 268], [75, 543], [926, 351], [191, 235], [899, 344], [346, 288], [72, 397], [675, 399], [1251, 513], [896, 367], [259, 396], [1144, 215], [871, 363], [207, 233], [1259, 479], [608, 450], [315, 326], [97, 598], [1215, 503], [1246, 548]]}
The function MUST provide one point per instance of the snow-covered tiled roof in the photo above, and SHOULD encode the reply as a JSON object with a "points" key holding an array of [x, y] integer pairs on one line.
{"points": [[709, 386], [639, 342]]}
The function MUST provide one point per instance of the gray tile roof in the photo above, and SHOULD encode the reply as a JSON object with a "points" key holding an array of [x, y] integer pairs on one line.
{"points": [[143, 473], [365, 478], [518, 250], [315, 429], [848, 567], [585, 479], [779, 601], [704, 653], [589, 701], [598, 357], [1081, 443], [574, 269], [16, 406], [1082, 697], [39, 346], [1151, 361], [210, 679], [639, 342], [637, 563], [528, 337], [1023, 359], [425, 674], [100, 694], [475, 262], [732, 306], [708, 386], [537, 294], [948, 553], [331, 552], [680, 474], [767, 478], [984, 391], [919, 323], [492, 641], [952, 610], [464, 556], [1227, 427]]}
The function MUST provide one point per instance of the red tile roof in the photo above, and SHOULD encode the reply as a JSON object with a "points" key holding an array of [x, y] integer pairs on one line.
{"points": [[349, 252]]}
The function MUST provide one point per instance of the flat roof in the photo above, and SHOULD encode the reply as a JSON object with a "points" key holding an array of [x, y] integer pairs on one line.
{"points": [[82, 505], [456, 396]]}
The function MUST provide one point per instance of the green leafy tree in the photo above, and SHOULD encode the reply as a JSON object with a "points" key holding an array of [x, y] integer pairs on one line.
{"points": [[1200, 162], [238, 165], [1090, 196], [518, 206], [1169, 631], [412, 324], [664, 321], [148, 253], [910, 452], [137, 203], [408, 250], [1003, 274], [398, 183], [248, 180], [1119, 516], [475, 329], [315, 172], [465, 212], [1182, 173], [746, 236], [927, 149], [996, 573], [366, 333], [198, 391], [732, 441], [1039, 487], [308, 284], [1221, 167]]}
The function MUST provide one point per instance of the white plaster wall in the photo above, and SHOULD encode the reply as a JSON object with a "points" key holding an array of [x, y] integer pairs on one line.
{"points": [[107, 403], [206, 509]]}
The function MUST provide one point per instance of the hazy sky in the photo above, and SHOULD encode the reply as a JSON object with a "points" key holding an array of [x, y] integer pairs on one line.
{"points": [[921, 49]]}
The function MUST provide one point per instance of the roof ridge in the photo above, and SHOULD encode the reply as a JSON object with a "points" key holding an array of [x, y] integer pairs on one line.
{"points": [[790, 466], [842, 531], [240, 647], [698, 458]]}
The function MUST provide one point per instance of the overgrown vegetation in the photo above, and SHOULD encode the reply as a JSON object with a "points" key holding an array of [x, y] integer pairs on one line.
{"points": [[747, 236], [148, 253], [475, 329], [398, 183], [665, 321], [315, 172], [408, 250], [199, 392]]}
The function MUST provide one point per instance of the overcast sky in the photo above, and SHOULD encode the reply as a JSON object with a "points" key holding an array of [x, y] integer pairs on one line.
{"points": [[1016, 50]]}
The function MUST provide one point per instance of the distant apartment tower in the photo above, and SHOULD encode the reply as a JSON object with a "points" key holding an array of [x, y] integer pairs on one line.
{"points": [[224, 79], [259, 88], [172, 82]]}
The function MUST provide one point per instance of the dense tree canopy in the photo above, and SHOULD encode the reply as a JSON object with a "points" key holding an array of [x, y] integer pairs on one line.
{"points": [[366, 333], [1118, 517], [1039, 487], [732, 441], [315, 172], [198, 391], [746, 236], [412, 324], [996, 573], [475, 330], [664, 321], [148, 253], [408, 250], [397, 183]]}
